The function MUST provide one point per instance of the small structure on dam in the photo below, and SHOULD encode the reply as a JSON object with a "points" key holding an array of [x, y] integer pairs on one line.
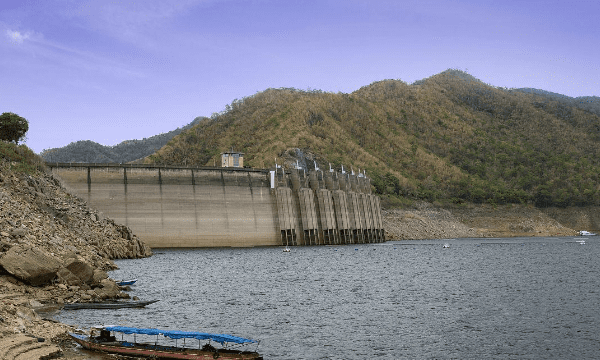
{"points": [[229, 206], [232, 159]]}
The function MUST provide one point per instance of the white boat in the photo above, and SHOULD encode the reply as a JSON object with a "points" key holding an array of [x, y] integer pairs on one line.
{"points": [[586, 233], [446, 245], [286, 249]]}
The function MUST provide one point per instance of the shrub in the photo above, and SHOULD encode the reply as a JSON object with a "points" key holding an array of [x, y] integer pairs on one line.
{"points": [[13, 127]]}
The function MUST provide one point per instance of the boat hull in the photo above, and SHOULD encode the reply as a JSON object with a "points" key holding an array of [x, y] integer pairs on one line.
{"points": [[108, 305], [161, 352]]}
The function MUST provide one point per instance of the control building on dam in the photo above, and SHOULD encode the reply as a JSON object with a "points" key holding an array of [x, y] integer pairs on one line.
{"points": [[229, 206]]}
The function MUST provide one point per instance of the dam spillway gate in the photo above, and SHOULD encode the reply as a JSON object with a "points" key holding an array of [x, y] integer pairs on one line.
{"points": [[326, 208], [236, 207]]}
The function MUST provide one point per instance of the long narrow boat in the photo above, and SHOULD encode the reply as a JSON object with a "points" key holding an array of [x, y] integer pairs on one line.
{"points": [[108, 343], [109, 305]]}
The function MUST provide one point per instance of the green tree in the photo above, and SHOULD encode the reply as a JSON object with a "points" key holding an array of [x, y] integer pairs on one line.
{"points": [[13, 127]]}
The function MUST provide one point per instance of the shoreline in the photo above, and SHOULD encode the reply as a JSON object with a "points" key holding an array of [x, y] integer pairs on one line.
{"points": [[425, 221]]}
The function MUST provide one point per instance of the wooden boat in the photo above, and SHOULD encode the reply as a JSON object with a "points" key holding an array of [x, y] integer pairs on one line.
{"points": [[108, 343], [109, 305], [126, 282]]}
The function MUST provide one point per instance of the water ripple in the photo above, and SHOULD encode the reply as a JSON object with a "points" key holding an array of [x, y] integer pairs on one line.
{"points": [[511, 298]]}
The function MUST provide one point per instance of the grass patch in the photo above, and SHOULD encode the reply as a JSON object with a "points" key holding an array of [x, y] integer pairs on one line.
{"points": [[20, 158]]}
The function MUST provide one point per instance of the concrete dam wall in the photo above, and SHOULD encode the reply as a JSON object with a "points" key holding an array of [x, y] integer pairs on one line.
{"points": [[234, 207]]}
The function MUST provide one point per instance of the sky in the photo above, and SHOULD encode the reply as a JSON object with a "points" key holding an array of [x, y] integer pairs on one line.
{"points": [[110, 71]]}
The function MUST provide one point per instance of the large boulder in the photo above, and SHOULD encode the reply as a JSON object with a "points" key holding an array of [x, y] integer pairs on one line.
{"points": [[99, 275], [68, 278], [108, 289], [81, 269], [76, 272], [30, 264]]}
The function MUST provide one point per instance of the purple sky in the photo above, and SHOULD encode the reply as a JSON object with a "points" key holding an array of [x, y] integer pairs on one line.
{"points": [[110, 71]]}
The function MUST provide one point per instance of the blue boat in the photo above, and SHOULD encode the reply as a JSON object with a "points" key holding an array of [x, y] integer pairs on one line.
{"points": [[109, 344], [126, 282]]}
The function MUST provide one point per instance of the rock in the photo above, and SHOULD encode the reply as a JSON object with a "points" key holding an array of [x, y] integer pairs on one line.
{"points": [[67, 277], [19, 232], [27, 314], [35, 304], [31, 265], [108, 289], [81, 269], [4, 245], [98, 276]]}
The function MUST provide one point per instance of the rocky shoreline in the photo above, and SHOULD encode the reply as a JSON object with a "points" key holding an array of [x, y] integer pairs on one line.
{"points": [[54, 249]]}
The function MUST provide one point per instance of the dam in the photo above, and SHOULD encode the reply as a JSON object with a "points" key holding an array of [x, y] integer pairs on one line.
{"points": [[227, 206]]}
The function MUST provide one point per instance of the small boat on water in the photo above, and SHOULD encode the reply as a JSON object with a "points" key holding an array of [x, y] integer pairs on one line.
{"points": [[126, 282], [109, 305], [586, 233], [108, 343], [287, 249], [446, 245]]}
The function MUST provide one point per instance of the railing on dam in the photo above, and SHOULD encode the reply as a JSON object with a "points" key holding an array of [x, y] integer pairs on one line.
{"points": [[90, 166], [175, 206]]}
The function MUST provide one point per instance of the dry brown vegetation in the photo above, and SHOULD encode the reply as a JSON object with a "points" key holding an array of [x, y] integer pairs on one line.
{"points": [[449, 137]]}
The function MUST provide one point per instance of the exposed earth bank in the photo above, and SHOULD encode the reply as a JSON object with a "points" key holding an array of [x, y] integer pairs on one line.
{"points": [[54, 249], [425, 221]]}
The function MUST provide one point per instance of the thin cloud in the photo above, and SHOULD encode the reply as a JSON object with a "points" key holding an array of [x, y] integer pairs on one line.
{"points": [[136, 22], [37, 45], [17, 37]]}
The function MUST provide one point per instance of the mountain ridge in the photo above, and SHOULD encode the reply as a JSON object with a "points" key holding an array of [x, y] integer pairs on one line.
{"points": [[449, 137], [126, 151]]}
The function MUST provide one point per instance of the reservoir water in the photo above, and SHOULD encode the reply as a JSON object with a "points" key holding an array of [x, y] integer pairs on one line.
{"points": [[517, 298]]}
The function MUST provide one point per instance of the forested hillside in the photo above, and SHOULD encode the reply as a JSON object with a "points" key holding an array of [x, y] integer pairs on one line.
{"points": [[588, 103], [91, 152], [449, 137]]}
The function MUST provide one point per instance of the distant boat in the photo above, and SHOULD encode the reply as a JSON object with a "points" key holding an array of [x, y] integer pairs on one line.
{"points": [[586, 233], [109, 344], [126, 282], [287, 249], [445, 246], [109, 305]]}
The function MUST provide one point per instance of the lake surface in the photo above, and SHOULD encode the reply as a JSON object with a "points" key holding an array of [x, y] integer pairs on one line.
{"points": [[517, 298]]}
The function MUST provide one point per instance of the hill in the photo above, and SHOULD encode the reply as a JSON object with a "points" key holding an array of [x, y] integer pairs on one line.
{"points": [[588, 103], [447, 138], [126, 151]]}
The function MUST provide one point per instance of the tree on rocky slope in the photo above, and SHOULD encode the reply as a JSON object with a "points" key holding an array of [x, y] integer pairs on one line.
{"points": [[13, 127]]}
